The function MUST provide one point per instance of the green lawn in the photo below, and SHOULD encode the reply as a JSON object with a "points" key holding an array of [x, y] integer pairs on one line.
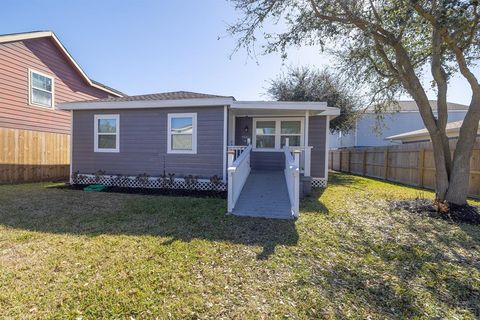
{"points": [[71, 254]]}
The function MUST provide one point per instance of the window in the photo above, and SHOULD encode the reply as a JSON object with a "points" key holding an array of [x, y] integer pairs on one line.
{"points": [[291, 130], [265, 134], [271, 134], [107, 133], [182, 133], [41, 89]]}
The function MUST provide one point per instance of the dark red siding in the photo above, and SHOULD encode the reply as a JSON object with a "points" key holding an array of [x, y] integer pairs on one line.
{"points": [[41, 55]]}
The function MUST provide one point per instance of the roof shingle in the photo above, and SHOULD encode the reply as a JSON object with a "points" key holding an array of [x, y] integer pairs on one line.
{"points": [[175, 95]]}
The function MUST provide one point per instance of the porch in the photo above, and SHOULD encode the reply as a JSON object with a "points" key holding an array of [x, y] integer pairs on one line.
{"points": [[269, 158]]}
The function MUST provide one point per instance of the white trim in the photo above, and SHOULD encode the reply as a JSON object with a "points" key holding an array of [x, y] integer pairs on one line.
{"points": [[277, 134], [225, 132], [145, 104], [71, 147], [307, 123], [30, 89], [280, 105], [117, 133], [44, 34], [327, 148], [171, 116]]}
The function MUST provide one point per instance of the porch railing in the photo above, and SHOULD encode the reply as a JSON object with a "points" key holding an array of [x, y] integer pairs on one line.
{"points": [[305, 158], [238, 172], [292, 178], [237, 150]]}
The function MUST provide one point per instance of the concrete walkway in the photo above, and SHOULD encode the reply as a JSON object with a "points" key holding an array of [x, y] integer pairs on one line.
{"points": [[264, 195]]}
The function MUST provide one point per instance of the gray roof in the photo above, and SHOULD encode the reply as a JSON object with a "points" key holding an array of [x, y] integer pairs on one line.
{"points": [[410, 105], [175, 95], [452, 129], [109, 88]]}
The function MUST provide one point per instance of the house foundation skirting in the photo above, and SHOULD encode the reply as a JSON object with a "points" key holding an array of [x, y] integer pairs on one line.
{"points": [[149, 182], [319, 182]]}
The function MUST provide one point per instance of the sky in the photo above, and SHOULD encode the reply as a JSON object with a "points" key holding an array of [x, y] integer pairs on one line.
{"points": [[143, 46]]}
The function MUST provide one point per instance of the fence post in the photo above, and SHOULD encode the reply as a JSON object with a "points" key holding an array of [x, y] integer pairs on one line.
{"points": [[349, 159], [385, 164], [231, 156], [364, 162], [340, 166], [421, 166]]}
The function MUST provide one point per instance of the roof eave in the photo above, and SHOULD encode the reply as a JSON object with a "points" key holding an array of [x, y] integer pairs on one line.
{"points": [[145, 104]]}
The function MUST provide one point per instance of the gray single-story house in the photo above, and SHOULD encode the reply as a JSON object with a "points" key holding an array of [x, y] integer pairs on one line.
{"points": [[265, 154]]}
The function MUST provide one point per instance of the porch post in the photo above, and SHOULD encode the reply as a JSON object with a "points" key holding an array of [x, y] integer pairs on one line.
{"points": [[231, 157], [308, 155], [296, 155]]}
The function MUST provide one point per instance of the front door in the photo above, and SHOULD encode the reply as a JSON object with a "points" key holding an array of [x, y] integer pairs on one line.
{"points": [[243, 130]]}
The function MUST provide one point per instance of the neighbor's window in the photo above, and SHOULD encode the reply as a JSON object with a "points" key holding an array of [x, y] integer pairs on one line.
{"points": [[182, 133], [291, 130], [107, 133], [265, 134], [41, 89]]}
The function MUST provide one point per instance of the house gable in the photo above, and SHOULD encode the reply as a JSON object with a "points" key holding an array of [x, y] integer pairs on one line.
{"points": [[20, 57]]}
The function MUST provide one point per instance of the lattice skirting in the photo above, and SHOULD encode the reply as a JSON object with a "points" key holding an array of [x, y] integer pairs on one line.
{"points": [[148, 182], [319, 182]]}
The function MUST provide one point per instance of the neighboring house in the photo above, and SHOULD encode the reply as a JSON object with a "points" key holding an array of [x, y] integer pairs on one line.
{"points": [[239, 146], [452, 130], [368, 132], [37, 73]]}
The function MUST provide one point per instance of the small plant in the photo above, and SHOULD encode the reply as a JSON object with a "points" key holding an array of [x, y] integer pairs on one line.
{"points": [[142, 179], [215, 180], [167, 179], [191, 181], [98, 175]]}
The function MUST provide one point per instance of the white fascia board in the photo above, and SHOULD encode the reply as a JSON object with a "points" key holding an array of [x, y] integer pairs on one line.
{"points": [[332, 112], [145, 104], [279, 105]]}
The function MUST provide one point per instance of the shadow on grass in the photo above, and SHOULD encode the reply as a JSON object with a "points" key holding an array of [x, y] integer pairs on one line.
{"points": [[184, 219], [395, 277]]}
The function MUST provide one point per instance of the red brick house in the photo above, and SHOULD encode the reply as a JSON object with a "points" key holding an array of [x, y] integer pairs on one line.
{"points": [[37, 73]]}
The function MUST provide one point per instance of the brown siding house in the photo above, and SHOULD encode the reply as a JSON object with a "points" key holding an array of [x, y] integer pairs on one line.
{"points": [[37, 73]]}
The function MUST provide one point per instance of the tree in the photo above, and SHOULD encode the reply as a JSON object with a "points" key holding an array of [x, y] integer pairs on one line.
{"points": [[388, 44], [303, 84]]}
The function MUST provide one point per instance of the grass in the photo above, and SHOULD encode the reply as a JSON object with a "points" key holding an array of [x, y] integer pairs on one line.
{"points": [[71, 254]]}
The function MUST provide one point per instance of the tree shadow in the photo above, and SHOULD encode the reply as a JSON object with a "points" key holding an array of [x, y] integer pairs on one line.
{"points": [[176, 218], [390, 285]]}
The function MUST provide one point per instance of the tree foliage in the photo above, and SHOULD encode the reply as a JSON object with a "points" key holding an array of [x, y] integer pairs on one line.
{"points": [[304, 84], [387, 44]]}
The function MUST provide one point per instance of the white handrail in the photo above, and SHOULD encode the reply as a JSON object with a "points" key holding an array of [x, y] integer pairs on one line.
{"points": [[237, 150], [238, 173], [292, 178]]}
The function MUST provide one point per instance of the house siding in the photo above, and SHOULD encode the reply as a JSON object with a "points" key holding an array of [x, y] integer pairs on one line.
{"points": [[317, 127], [143, 144], [265, 160], [41, 55], [365, 134]]}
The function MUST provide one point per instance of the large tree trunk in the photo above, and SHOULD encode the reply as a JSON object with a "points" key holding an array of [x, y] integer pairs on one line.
{"points": [[460, 175]]}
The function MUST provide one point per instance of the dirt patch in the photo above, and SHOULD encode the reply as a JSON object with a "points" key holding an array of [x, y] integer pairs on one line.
{"points": [[160, 192], [458, 214]]}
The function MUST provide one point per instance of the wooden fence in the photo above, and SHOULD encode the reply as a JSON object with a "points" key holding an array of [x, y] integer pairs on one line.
{"points": [[27, 156], [410, 164]]}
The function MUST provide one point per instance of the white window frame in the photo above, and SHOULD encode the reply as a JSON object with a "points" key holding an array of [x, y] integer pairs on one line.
{"points": [[30, 89], [117, 132], [278, 133], [194, 132]]}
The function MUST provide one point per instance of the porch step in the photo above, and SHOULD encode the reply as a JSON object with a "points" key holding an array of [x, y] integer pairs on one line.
{"points": [[264, 195]]}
